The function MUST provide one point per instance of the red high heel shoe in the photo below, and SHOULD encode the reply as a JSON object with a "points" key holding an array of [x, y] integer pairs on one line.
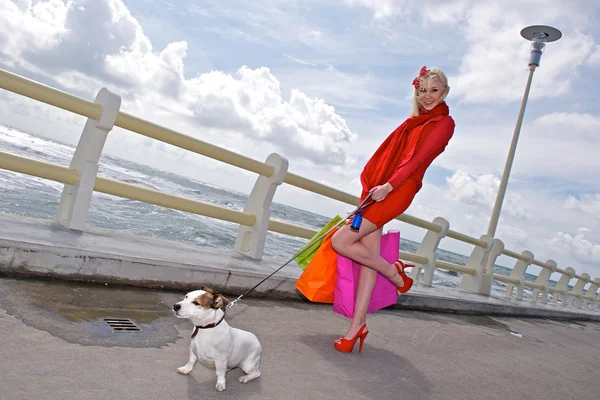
{"points": [[347, 345], [408, 282]]}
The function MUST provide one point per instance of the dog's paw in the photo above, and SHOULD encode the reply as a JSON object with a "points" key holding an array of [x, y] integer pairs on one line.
{"points": [[220, 386], [184, 370], [248, 378]]}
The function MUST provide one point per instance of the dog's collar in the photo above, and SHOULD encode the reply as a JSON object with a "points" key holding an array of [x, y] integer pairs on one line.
{"points": [[207, 326]]}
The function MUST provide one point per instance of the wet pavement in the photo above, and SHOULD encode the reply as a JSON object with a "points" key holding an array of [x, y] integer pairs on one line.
{"points": [[57, 344]]}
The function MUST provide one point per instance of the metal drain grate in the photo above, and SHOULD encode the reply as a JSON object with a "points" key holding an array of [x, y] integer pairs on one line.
{"points": [[121, 325]]}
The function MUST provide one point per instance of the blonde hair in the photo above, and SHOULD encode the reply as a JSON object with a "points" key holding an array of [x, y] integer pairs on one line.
{"points": [[426, 79]]}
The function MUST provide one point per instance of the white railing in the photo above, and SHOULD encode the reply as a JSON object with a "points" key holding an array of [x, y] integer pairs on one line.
{"points": [[81, 179]]}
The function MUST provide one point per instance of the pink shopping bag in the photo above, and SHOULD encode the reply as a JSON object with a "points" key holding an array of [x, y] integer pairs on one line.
{"points": [[347, 272]]}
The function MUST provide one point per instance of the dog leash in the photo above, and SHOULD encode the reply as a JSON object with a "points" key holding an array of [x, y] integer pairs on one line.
{"points": [[355, 225]]}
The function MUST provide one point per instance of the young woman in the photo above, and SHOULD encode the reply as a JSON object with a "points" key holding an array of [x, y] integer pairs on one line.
{"points": [[393, 176]]}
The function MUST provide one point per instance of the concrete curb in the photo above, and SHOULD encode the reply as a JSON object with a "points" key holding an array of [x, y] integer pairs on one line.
{"points": [[67, 264]]}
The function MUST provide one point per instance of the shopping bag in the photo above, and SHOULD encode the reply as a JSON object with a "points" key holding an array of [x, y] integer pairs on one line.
{"points": [[318, 279], [346, 282], [303, 259]]}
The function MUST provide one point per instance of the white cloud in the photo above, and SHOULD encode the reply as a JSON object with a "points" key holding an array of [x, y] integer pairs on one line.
{"points": [[594, 59], [515, 205], [445, 12], [251, 103], [29, 26], [247, 106], [142, 68], [588, 204], [514, 234], [493, 69], [380, 8], [268, 22], [300, 61], [355, 91], [579, 126], [481, 191], [577, 246], [563, 146]]}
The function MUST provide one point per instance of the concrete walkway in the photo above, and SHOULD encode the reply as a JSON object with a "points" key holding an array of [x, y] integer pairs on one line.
{"points": [[42, 248], [55, 346]]}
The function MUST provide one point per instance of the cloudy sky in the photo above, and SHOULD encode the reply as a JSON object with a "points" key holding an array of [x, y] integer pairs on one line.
{"points": [[323, 83]]}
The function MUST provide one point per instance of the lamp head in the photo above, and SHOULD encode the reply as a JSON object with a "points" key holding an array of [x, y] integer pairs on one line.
{"points": [[539, 35]]}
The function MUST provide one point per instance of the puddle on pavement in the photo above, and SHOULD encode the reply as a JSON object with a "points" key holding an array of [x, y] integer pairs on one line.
{"points": [[75, 312], [93, 321], [78, 315]]}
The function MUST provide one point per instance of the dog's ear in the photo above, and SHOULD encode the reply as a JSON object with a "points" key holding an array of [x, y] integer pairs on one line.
{"points": [[220, 301], [206, 300], [206, 289]]}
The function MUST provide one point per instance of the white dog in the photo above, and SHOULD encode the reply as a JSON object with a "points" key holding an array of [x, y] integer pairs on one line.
{"points": [[214, 343]]}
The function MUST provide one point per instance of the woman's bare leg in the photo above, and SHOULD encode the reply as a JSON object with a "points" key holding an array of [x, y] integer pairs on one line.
{"points": [[366, 283], [348, 243]]}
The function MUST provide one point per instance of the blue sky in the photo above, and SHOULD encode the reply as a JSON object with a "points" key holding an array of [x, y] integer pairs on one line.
{"points": [[324, 84]]}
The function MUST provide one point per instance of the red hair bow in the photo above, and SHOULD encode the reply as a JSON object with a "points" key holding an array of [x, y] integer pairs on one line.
{"points": [[423, 72]]}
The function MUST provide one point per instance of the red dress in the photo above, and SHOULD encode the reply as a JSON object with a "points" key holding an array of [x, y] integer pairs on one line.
{"points": [[402, 160]]}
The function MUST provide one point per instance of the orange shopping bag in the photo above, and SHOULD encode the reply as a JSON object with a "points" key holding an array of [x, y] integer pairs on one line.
{"points": [[317, 282]]}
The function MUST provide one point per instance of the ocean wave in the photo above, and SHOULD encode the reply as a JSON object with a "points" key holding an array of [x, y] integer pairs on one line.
{"points": [[28, 144]]}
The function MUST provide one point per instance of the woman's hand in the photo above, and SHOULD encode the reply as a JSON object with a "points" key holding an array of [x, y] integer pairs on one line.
{"points": [[379, 193]]}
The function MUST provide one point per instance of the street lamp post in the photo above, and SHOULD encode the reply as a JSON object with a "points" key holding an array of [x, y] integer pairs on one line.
{"points": [[539, 35]]}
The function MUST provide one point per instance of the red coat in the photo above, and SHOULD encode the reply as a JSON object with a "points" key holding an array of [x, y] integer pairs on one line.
{"points": [[402, 160]]}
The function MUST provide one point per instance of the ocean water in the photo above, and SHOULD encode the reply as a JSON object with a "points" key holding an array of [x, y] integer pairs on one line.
{"points": [[39, 198]]}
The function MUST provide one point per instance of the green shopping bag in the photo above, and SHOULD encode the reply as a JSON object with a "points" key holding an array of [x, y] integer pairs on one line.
{"points": [[305, 258]]}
